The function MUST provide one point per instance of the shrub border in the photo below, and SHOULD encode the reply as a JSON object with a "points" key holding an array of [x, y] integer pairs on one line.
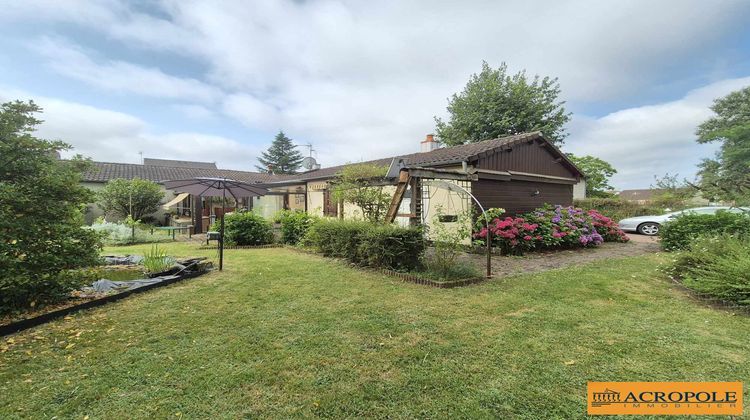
{"points": [[27, 323]]}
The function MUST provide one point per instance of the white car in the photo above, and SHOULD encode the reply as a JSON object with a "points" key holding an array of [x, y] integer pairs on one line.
{"points": [[650, 225]]}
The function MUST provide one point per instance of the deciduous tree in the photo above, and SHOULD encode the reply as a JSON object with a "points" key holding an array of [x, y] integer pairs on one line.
{"points": [[727, 175], [131, 197], [598, 172], [495, 104]]}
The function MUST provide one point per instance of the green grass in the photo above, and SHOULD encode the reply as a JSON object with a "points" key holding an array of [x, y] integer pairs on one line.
{"points": [[285, 334]]}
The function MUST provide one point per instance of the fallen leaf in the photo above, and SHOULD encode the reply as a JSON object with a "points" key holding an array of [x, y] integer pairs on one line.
{"points": [[570, 362]]}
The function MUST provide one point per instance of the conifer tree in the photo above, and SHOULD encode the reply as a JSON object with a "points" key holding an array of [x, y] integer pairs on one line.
{"points": [[282, 157]]}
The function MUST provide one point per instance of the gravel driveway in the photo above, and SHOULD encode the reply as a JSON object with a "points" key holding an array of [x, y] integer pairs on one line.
{"points": [[533, 262]]}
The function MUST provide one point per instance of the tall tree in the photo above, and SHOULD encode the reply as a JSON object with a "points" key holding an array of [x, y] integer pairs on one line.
{"points": [[282, 157], [598, 172], [494, 104], [130, 197], [41, 197], [727, 175]]}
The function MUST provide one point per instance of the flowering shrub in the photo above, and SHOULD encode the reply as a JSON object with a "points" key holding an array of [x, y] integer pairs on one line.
{"points": [[513, 235], [551, 227], [607, 227]]}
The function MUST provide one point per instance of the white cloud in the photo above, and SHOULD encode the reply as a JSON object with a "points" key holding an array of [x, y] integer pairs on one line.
{"points": [[119, 76], [195, 112], [651, 140], [251, 111], [111, 136], [362, 80]]}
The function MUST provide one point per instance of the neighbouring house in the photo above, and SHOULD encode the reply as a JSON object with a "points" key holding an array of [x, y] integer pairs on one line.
{"points": [[518, 173]]}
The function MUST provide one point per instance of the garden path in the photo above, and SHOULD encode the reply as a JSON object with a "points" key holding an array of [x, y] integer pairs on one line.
{"points": [[532, 262]]}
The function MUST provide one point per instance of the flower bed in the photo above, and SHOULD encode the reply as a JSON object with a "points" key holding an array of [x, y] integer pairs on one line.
{"points": [[548, 228]]}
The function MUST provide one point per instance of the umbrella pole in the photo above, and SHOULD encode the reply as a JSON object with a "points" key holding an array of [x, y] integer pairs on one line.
{"points": [[221, 237]]}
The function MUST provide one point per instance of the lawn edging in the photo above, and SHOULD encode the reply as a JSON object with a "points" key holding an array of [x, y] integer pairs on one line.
{"points": [[27, 323], [411, 278], [708, 299], [243, 246]]}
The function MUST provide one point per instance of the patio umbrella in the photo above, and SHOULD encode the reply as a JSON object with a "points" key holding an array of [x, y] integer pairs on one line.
{"points": [[217, 187]]}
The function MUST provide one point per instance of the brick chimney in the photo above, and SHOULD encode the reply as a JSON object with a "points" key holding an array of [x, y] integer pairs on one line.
{"points": [[429, 144]]}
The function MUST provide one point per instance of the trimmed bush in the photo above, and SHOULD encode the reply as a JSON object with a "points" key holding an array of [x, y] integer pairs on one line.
{"points": [[294, 225], [367, 244], [681, 232], [391, 246], [336, 238], [718, 267], [617, 209], [245, 228]]}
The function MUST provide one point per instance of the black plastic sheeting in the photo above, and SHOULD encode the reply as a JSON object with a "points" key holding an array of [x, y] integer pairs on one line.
{"points": [[122, 289], [122, 260]]}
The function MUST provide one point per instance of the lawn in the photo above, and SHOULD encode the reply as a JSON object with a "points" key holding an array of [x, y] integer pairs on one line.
{"points": [[285, 334]]}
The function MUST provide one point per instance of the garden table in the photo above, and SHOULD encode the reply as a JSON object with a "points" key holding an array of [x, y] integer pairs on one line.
{"points": [[173, 229]]}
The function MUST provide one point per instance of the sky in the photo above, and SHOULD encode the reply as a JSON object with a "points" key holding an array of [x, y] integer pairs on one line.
{"points": [[215, 81]]}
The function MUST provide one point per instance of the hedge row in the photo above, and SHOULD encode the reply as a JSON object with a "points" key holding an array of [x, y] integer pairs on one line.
{"points": [[717, 267], [367, 244], [617, 209], [685, 229]]}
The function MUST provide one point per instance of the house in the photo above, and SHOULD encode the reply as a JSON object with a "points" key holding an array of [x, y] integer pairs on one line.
{"points": [[518, 173], [178, 209]]}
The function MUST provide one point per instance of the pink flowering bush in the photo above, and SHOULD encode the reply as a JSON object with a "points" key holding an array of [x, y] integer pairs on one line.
{"points": [[512, 234], [549, 227], [607, 227]]}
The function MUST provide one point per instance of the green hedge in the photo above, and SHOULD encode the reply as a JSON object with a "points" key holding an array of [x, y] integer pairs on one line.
{"points": [[681, 232], [718, 267], [245, 228], [294, 225], [368, 244], [617, 209]]}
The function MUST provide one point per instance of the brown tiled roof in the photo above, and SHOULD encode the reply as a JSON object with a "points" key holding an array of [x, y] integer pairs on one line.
{"points": [[448, 155], [439, 157], [179, 163], [105, 171]]}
